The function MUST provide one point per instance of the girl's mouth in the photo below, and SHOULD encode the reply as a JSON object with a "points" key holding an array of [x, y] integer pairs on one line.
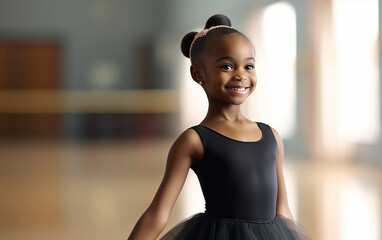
{"points": [[238, 90]]}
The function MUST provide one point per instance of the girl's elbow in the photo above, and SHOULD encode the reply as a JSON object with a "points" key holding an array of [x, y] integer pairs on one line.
{"points": [[284, 211], [157, 218]]}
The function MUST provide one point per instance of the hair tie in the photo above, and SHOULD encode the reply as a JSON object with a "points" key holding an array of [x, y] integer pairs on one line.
{"points": [[203, 33]]}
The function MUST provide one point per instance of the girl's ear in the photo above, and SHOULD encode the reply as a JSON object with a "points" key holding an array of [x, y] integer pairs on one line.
{"points": [[196, 73]]}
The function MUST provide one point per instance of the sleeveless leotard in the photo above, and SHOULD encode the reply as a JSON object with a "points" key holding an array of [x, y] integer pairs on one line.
{"points": [[238, 178], [239, 184]]}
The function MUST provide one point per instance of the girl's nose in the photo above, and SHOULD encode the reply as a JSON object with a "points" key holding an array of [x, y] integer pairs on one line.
{"points": [[240, 77]]}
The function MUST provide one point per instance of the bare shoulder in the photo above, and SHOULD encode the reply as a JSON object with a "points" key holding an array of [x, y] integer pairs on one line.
{"points": [[189, 143], [277, 136], [189, 138], [276, 133]]}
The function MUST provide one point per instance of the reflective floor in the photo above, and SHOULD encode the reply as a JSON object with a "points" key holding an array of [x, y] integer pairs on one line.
{"points": [[98, 190]]}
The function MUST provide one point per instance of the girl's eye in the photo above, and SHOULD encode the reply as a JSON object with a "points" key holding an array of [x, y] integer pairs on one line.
{"points": [[227, 67], [249, 67]]}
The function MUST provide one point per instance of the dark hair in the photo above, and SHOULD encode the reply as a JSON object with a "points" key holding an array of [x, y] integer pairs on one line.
{"points": [[200, 43]]}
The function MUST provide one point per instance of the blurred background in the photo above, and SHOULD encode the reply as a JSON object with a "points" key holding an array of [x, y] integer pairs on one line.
{"points": [[94, 92]]}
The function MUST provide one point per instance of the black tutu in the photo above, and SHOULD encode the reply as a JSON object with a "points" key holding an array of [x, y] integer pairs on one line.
{"points": [[205, 227]]}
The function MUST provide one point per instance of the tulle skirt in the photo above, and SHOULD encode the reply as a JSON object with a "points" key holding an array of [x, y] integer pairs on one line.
{"points": [[205, 227]]}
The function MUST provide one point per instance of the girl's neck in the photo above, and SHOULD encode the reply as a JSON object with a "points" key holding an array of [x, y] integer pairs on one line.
{"points": [[224, 113]]}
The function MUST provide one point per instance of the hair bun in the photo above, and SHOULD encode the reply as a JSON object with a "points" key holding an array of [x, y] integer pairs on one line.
{"points": [[186, 43], [218, 19]]}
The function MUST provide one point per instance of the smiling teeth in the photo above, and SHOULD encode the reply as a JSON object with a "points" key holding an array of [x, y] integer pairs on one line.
{"points": [[238, 89]]}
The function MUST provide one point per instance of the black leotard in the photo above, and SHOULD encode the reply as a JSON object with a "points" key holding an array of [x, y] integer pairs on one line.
{"points": [[238, 178], [239, 184]]}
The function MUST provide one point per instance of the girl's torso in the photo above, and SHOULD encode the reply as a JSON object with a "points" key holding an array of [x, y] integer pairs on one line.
{"points": [[238, 178]]}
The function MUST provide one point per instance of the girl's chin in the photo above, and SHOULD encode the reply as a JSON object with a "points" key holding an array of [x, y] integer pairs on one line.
{"points": [[237, 101]]}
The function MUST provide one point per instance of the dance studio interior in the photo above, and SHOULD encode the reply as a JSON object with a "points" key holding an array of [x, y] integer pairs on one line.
{"points": [[93, 94]]}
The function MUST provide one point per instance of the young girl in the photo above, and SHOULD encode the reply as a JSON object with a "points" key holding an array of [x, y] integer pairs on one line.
{"points": [[238, 162]]}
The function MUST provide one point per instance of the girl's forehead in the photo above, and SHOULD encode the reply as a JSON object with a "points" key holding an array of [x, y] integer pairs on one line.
{"points": [[233, 43]]}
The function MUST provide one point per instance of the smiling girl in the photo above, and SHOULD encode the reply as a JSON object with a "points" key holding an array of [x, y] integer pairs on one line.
{"points": [[238, 162]]}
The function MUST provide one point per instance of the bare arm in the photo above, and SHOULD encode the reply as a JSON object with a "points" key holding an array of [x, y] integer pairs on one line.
{"points": [[183, 152], [282, 207]]}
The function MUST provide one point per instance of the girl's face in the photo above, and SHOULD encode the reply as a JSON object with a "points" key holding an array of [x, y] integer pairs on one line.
{"points": [[228, 69]]}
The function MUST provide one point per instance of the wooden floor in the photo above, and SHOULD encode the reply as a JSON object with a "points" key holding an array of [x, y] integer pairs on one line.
{"points": [[98, 190]]}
